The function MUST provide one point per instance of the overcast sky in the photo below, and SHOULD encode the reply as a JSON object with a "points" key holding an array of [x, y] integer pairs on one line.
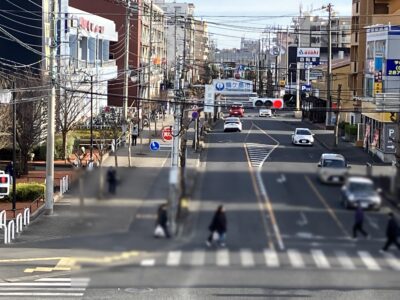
{"points": [[218, 11]]}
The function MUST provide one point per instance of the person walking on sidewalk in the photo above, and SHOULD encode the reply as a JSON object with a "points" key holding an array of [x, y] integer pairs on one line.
{"points": [[358, 222], [392, 232], [135, 134], [218, 227], [162, 219], [112, 180]]}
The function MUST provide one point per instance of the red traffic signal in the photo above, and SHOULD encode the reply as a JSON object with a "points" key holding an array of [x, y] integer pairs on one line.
{"points": [[3, 178]]}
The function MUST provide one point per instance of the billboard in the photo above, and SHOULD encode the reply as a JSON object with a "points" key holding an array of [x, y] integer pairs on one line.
{"points": [[393, 67], [209, 99], [308, 52]]}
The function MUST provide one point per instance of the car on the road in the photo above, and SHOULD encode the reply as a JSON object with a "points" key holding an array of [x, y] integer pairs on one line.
{"points": [[332, 168], [265, 112], [302, 136], [232, 124], [236, 110], [361, 190]]}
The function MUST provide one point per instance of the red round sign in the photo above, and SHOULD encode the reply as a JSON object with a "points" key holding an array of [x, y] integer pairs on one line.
{"points": [[166, 133], [278, 103]]}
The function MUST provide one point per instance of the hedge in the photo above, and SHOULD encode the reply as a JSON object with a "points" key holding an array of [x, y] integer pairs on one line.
{"points": [[27, 192], [351, 129]]}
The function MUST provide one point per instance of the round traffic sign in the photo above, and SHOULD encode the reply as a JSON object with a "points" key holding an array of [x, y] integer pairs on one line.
{"points": [[195, 115], [166, 133], [154, 146]]}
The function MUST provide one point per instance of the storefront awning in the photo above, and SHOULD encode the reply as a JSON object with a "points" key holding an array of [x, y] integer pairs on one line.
{"points": [[380, 117]]}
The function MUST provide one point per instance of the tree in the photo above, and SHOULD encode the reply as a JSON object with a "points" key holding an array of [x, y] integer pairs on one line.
{"points": [[69, 107], [31, 115]]}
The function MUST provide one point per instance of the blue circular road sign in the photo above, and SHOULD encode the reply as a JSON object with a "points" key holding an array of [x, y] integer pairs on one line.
{"points": [[154, 146], [195, 115]]}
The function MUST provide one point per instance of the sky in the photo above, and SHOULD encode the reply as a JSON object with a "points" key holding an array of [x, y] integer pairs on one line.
{"points": [[248, 18]]}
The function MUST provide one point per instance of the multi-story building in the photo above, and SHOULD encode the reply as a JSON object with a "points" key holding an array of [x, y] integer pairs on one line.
{"points": [[179, 35], [201, 49], [246, 55]]}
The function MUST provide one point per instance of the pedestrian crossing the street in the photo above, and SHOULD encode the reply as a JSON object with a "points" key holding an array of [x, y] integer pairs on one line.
{"points": [[272, 259], [258, 153], [45, 287]]}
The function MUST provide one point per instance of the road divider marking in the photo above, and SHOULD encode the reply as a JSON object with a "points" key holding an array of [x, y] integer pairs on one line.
{"points": [[223, 258], [328, 208], [295, 258], [271, 258], [148, 262], [174, 258], [345, 261], [369, 261], [246, 257], [320, 259]]}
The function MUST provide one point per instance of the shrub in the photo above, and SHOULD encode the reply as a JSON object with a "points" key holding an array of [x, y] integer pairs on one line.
{"points": [[28, 192], [350, 130]]}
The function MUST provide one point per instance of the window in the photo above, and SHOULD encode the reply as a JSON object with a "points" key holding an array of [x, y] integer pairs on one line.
{"points": [[369, 87]]}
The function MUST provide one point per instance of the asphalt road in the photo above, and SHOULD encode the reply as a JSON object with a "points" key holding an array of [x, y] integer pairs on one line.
{"points": [[288, 236]]}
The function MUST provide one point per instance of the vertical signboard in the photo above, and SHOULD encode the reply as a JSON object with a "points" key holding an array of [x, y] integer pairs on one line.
{"points": [[389, 138], [209, 97]]}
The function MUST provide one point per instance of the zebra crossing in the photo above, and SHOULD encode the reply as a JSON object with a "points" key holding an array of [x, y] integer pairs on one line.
{"points": [[357, 260], [258, 153], [45, 287]]}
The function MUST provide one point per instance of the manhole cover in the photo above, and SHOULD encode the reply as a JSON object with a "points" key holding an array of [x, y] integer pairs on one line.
{"points": [[138, 290]]}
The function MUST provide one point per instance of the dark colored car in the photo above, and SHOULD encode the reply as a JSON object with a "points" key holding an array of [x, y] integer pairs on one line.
{"points": [[236, 110]]}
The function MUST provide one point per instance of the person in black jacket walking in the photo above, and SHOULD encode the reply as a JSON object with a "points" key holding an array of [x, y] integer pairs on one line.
{"points": [[218, 225], [162, 219], [392, 231]]}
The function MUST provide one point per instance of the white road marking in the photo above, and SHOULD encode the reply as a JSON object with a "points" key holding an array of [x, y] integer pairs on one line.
{"points": [[49, 294], [198, 258], [223, 258], [295, 259], [55, 279], [59, 284], [345, 261], [271, 258], [369, 261], [174, 258], [320, 259], [246, 257], [281, 179], [4, 289], [148, 262], [303, 219], [392, 261], [372, 222]]}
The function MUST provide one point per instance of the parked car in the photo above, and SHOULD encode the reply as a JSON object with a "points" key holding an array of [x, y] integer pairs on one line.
{"points": [[360, 190], [264, 112], [236, 110], [302, 136], [332, 168], [232, 124]]}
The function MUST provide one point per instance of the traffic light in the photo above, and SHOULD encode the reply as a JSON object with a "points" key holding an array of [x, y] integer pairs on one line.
{"points": [[4, 184]]}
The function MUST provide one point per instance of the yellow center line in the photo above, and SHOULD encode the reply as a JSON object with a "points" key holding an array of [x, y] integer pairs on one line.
{"points": [[328, 208]]}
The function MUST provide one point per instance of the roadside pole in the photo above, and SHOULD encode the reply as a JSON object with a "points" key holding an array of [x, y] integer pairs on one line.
{"points": [[51, 116], [397, 180], [336, 142]]}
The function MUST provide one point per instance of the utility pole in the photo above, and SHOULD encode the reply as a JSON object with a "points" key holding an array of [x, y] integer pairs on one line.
{"points": [[14, 154], [126, 63], [51, 114], [149, 61], [298, 111], [91, 121], [329, 74], [287, 57], [336, 142]]}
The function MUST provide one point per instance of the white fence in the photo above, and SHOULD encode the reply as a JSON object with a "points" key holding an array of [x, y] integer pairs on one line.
{"points": [[14, 226], [64, 184]]}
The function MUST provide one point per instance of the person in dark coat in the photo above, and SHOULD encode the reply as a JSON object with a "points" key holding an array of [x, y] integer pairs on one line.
{"points": [[112, 180], [392, 232], [9, 169], [358, 222], [218, 225], [162, 219]]}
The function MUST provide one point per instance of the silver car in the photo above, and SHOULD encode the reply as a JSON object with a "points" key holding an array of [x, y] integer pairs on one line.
{"points": [[360, 190]]}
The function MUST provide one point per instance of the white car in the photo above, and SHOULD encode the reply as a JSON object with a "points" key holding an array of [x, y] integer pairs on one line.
{"points": [[359, 190], [302, 136], [264, 112], [332, 168], [232, 124]]}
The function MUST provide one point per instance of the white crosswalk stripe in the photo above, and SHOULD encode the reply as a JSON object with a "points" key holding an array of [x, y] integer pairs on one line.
{"points": [[320, 259], [223, 258], [174, 258], [45, 287], [198, 258], [295, 258], [271, 258], [247, 258], [369, 261], [392, 261], [344, 260]]}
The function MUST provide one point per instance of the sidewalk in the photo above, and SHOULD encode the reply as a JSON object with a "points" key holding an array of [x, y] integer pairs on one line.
{"points": [[85, 223]]}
